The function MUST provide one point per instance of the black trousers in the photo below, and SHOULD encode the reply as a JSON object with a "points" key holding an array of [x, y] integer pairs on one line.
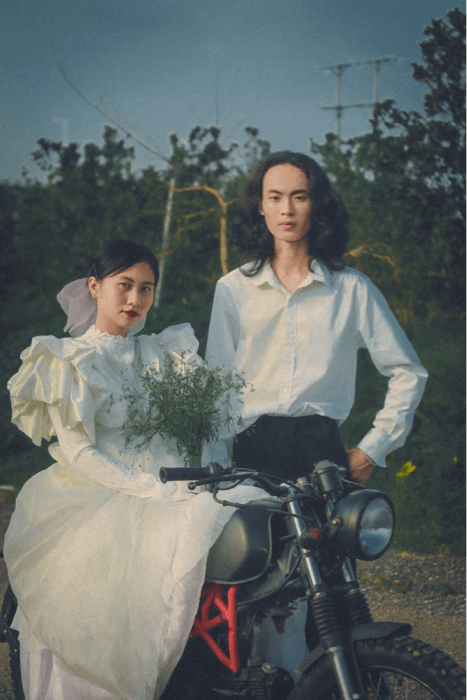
{"points": [[289, 447]]}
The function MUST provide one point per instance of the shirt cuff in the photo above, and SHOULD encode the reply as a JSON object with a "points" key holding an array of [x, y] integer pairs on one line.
{"points": [[375, 447], [369, 459]]}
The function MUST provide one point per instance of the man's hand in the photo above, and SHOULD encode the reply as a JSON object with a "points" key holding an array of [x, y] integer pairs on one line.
{"points": [[360, 466]]}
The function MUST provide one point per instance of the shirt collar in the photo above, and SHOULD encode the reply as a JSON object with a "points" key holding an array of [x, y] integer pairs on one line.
{"points": [[318, 273]]}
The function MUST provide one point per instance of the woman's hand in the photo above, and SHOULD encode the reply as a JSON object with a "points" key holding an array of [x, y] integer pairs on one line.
{"points": [[360, 466]]}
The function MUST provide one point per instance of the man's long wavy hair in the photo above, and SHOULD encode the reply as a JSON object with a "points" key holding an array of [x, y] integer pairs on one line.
{"points": [[328, 235]]}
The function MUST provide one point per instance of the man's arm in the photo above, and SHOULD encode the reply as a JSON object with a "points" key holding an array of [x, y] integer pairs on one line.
{"points": [[220, 350], [394, 357]]}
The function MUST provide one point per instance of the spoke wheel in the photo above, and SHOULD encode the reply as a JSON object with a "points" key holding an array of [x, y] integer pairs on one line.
{"points": [[391, 669]]}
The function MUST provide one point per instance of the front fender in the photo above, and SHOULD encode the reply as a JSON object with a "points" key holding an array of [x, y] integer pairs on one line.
{"points": [[370, 630]]}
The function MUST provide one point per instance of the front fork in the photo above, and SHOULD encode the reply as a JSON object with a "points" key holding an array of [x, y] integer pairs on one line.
{"points": [[331, 635]]}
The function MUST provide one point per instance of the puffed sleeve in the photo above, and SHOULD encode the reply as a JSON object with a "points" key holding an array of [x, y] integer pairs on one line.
{"points": [[180, 340], [54, 372]]}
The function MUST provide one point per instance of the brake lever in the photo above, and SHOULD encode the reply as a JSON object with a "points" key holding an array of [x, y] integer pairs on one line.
{"points": [[232, 476], [239, 476]]}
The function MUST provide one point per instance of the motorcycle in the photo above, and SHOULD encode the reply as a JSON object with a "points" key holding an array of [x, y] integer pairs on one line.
{"points": [[298, 544]]}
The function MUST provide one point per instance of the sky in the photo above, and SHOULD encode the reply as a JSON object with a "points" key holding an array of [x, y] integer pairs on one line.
{"points": [[165, 66]]}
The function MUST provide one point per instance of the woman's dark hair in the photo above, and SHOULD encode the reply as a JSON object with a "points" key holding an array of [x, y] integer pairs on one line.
{"points": [[118, 255], [328, 235]]}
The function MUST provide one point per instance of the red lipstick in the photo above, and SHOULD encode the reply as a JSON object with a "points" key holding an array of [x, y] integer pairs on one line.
{"points": [[131, 314]]}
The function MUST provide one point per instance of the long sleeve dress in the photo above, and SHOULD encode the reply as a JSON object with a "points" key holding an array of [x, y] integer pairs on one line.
{"points": [[107, 562]]}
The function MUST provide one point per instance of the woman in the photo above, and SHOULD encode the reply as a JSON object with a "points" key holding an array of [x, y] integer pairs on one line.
{"points": [[107, 563]]}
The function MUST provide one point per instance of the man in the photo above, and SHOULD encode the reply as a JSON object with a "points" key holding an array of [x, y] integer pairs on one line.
{"points": [[292, 321]]}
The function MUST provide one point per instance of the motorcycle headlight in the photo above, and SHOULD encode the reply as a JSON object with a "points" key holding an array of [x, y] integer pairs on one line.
{"points": [[363, 524]]}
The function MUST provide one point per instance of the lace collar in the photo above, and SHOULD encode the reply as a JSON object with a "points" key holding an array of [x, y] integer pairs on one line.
{"points": [[94, 334]]}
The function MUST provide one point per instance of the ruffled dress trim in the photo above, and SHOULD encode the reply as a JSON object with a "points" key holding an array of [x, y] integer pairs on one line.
{"points": [[63, 372]]}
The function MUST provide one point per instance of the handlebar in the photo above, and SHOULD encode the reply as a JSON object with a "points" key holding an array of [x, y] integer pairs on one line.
{"points": [[191, 473], [327, 478], [213, 473]]}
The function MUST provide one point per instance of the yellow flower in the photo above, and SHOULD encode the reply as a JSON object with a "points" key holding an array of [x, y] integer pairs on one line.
{"points": [[404, 471]]}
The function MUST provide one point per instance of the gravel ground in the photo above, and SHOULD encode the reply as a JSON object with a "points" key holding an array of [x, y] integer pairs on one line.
{"points": [[427, 591]]}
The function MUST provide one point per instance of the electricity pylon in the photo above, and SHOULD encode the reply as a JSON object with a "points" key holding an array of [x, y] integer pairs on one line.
{"points": [[338, 71]]}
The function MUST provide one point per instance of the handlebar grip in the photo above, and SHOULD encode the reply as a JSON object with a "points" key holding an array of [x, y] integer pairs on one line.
{"points": [[188, 473]]}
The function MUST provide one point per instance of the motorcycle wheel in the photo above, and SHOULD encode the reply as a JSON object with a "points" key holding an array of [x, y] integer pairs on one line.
{"points": [[391, 669]]}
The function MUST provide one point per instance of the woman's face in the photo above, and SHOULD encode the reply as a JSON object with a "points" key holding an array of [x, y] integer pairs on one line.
{"points": [[123, 299]]}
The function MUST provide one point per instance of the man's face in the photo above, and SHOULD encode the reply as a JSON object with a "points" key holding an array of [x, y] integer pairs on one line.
{"points": [[285, 203]]}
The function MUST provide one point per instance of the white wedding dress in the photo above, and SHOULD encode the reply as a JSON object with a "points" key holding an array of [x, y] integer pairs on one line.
{"points": [[107, 563]]}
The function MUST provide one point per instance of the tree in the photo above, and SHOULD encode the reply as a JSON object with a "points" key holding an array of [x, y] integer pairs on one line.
{"points": [[209, 178], [404, 185]]}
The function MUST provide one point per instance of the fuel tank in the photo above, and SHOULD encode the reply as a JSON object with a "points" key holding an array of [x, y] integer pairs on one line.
{"points": [[243, 550]]}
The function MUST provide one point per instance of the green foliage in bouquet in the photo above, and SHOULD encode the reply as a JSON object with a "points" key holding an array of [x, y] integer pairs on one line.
{"points": [[184, 403]]}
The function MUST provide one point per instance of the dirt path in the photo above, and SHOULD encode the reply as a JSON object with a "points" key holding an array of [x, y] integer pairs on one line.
{"points": [[428, 592]]}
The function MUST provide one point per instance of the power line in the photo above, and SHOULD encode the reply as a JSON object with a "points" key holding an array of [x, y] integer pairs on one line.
{"points": [[338, 71]]}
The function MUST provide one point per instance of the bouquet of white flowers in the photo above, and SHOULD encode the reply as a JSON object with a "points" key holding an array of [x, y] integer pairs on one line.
{"points": [[182, 402]]}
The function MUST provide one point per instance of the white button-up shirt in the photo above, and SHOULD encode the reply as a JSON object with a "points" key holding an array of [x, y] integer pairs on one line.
{"points": [[298, 351]]}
